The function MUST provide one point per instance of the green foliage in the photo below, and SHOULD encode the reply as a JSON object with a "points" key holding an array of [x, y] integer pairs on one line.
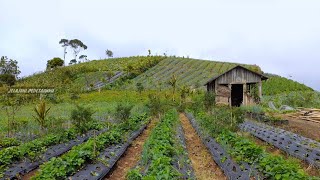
{"points": [[173, 83], [140, 87], [33, 148], [155, 105], [80, 117], [189, 72], [8, 142], [9, 70], [159, 151], [220, 119], [75, 78], [221, 126], [279, 85], [77, 46], [272, 167], [9, 66], [41, 114], [73, 160], [54, 63], [209, 100], [307, 99], [8, 79], [123, 111]]}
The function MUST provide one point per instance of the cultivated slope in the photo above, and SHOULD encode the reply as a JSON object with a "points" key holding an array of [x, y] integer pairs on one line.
{"points": [[75, 78], [189, 72]]}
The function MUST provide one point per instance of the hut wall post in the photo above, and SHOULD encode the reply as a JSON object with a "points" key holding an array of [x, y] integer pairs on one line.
{"points": [[229, 98], [245, 94], [260, 89]]}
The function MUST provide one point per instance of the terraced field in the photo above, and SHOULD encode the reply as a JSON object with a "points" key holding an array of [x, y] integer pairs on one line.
{"points": [[189, 72]]}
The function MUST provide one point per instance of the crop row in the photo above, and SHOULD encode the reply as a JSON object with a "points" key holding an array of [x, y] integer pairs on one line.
{"points": [[69, 163], [271, 166], [295, 145], [104, 163], [160, 153], [243, 150], [34, 148]]}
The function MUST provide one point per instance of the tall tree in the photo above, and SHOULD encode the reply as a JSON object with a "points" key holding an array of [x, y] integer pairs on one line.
{"points": [[65, 44], [9, 71], [54, 63], [109, 53], [77, 46], [9, 66]]}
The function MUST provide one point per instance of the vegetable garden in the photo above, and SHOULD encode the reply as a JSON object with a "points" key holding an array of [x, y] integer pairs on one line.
{"points": [[89, 142]]}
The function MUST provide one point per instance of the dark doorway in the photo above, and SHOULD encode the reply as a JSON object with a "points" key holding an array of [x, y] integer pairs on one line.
{"points": [[236, 94]]}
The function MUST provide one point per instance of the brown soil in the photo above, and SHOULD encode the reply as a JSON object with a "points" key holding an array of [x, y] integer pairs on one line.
{"points": [[304, 128], [132, 155], [310, 170], [201, 159], [30, 174]]}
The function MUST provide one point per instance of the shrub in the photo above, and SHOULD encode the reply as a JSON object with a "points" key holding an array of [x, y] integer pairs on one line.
{"points": [[123, 111], [209, 100], [80, 117]]}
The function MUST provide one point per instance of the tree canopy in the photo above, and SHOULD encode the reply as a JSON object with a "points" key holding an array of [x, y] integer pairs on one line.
{"points": [[54, 63], [9, 70], [109, 53], [77, 46]]}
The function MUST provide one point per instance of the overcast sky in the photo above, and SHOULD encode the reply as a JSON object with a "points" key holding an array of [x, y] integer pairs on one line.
{"points": [[281, 36]]}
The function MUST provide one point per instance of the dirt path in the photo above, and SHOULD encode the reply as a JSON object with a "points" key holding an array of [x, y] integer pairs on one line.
{"points": [[132, 155], [202, 162], [30, 174], [305, 128]]}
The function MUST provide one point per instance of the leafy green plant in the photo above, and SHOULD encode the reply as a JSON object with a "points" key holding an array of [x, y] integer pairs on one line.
{"points": [[41, 114], [123, 111], [140, 87], [80, 117], [209, 100], [159, 151], [67, 164]]}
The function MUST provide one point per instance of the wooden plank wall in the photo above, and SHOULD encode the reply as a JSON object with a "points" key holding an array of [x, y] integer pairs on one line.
{"points": [[238, 75]]}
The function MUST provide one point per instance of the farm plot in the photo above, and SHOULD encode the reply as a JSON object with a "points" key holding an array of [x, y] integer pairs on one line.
{"points": [[89, 152], [163, 155], [19, 160], [237, 149], [295, 145], [132, 155], [201, 159], [230, 168]]}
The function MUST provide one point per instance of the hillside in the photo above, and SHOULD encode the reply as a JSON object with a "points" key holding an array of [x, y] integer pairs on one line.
{"points": [[76, 77], [189, 72], [152, 72], [278, 85]]}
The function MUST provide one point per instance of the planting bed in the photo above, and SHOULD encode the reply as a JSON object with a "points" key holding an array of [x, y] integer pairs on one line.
{"points": [[231, 169], [106, 159], [75, 159], [164, 153], [181, 161], [25, 166], [295, 145]]}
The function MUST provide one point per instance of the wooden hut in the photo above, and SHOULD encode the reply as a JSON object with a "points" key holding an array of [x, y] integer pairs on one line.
{"points": [[235, 86]]}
